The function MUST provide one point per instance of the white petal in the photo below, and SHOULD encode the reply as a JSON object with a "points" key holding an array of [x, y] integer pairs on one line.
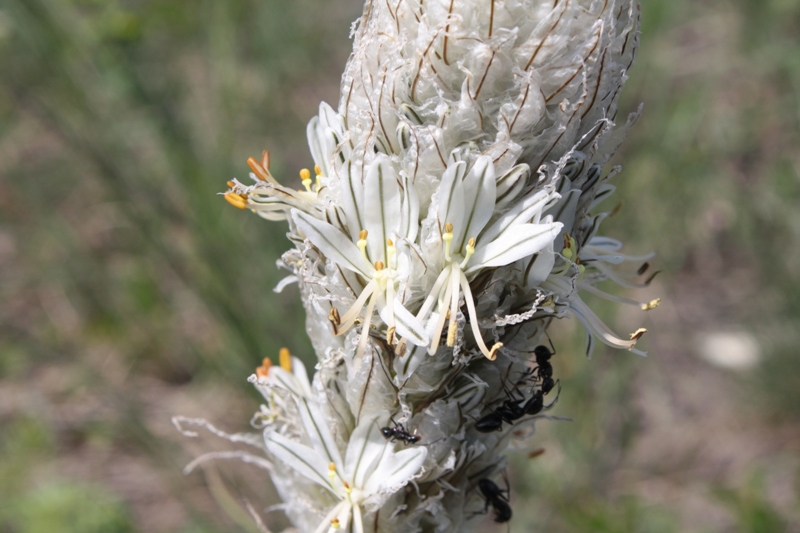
{"points": [[381, 206], [333, 243], [541, 266], [410, 223], [480, 190], [396, 469], [408, 326], [525, 240], [300, 457], [451, 196], [364, 450], [521, 213], [352, 199], [318, 432]]}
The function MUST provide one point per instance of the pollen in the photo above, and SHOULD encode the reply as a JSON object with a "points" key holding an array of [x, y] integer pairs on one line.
{"points": [[652, 304], [285, 359], [305, 176], [239, 201]]}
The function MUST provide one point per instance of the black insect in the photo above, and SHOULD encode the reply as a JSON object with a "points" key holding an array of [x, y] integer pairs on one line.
{"points": [[497, 499], [543, 355], [534, 404], [399, 432], [548, 384]]}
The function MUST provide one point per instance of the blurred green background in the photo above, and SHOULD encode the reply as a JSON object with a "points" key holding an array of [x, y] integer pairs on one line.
{"points": [[131, 292]]}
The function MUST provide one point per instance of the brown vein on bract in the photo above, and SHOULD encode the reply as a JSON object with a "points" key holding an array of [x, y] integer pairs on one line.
{"points": [[549, 32]]}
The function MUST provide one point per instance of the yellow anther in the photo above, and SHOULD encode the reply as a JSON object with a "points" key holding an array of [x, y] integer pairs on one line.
{"points": [[470, 249], [331, 472], [390, 335], [362, 242], [452, 331], [447, 238], [335, 523], [266, 363], [391, 251], [636, 335], [494, 349], [317, 170], [652, 304], [231, 184], [262, 372], [335, 319], [239, 201], [379, 265], [567, 253], [305, 176], [286, 359]]}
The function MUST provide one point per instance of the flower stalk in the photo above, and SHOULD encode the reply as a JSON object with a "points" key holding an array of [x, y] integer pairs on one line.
{"points": [[453, 213]]}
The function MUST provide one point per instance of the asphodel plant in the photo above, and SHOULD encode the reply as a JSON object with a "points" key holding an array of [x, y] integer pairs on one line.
{"points": [[453, 211]]}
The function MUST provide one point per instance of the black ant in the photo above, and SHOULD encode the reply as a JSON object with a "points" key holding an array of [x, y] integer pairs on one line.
{"points": [[543, 355], [399, 432], [497, 499]]}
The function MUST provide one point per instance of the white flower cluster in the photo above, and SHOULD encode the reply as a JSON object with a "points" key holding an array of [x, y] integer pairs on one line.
{"points": [[451, 216]]}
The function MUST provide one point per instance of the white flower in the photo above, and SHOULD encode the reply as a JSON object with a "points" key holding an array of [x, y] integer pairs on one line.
{"points": [[466, 204], [376, 213], [369, 474]]}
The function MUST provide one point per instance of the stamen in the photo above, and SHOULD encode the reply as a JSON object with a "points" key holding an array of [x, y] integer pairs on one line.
{"points": [[347, 487], [262, 372], [390, 338], [335, 523], [652, 304], [231, 184], [260, 172], [636, 335], [317, 170], [452, 327], [305, 176], [239, 201], [473, 321], [266, 363], [362, 243], [331, 472], [447, 238], [286, 359], [469, 252], [265, 159], [379, 265], [391, 251], [335, 319]]}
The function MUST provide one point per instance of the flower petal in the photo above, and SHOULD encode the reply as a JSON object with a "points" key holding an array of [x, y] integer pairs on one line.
{"points": [[364, 450], [525, 240], [333, 243], [300, 457], [480, 191], [521, 213], [352, 199], [318, 432], [408, 326], [396, 469], [382, 203], [451, 196]]}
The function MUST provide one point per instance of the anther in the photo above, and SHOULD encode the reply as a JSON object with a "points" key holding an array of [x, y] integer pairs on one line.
{"points": [[494, 349], [390, 335], [335, 320], [262, 372], [636, 335], [362, 242], [391, 251], [266, 363], [317, 170], [335, 523], [347, 487], [305, 176], [239, 201], [470, 249], [447, 238], [452, 331], [286, 359], [331, 471], [265, 160], [257, 169], [230, 184], [652, 304], [379, 265]]}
